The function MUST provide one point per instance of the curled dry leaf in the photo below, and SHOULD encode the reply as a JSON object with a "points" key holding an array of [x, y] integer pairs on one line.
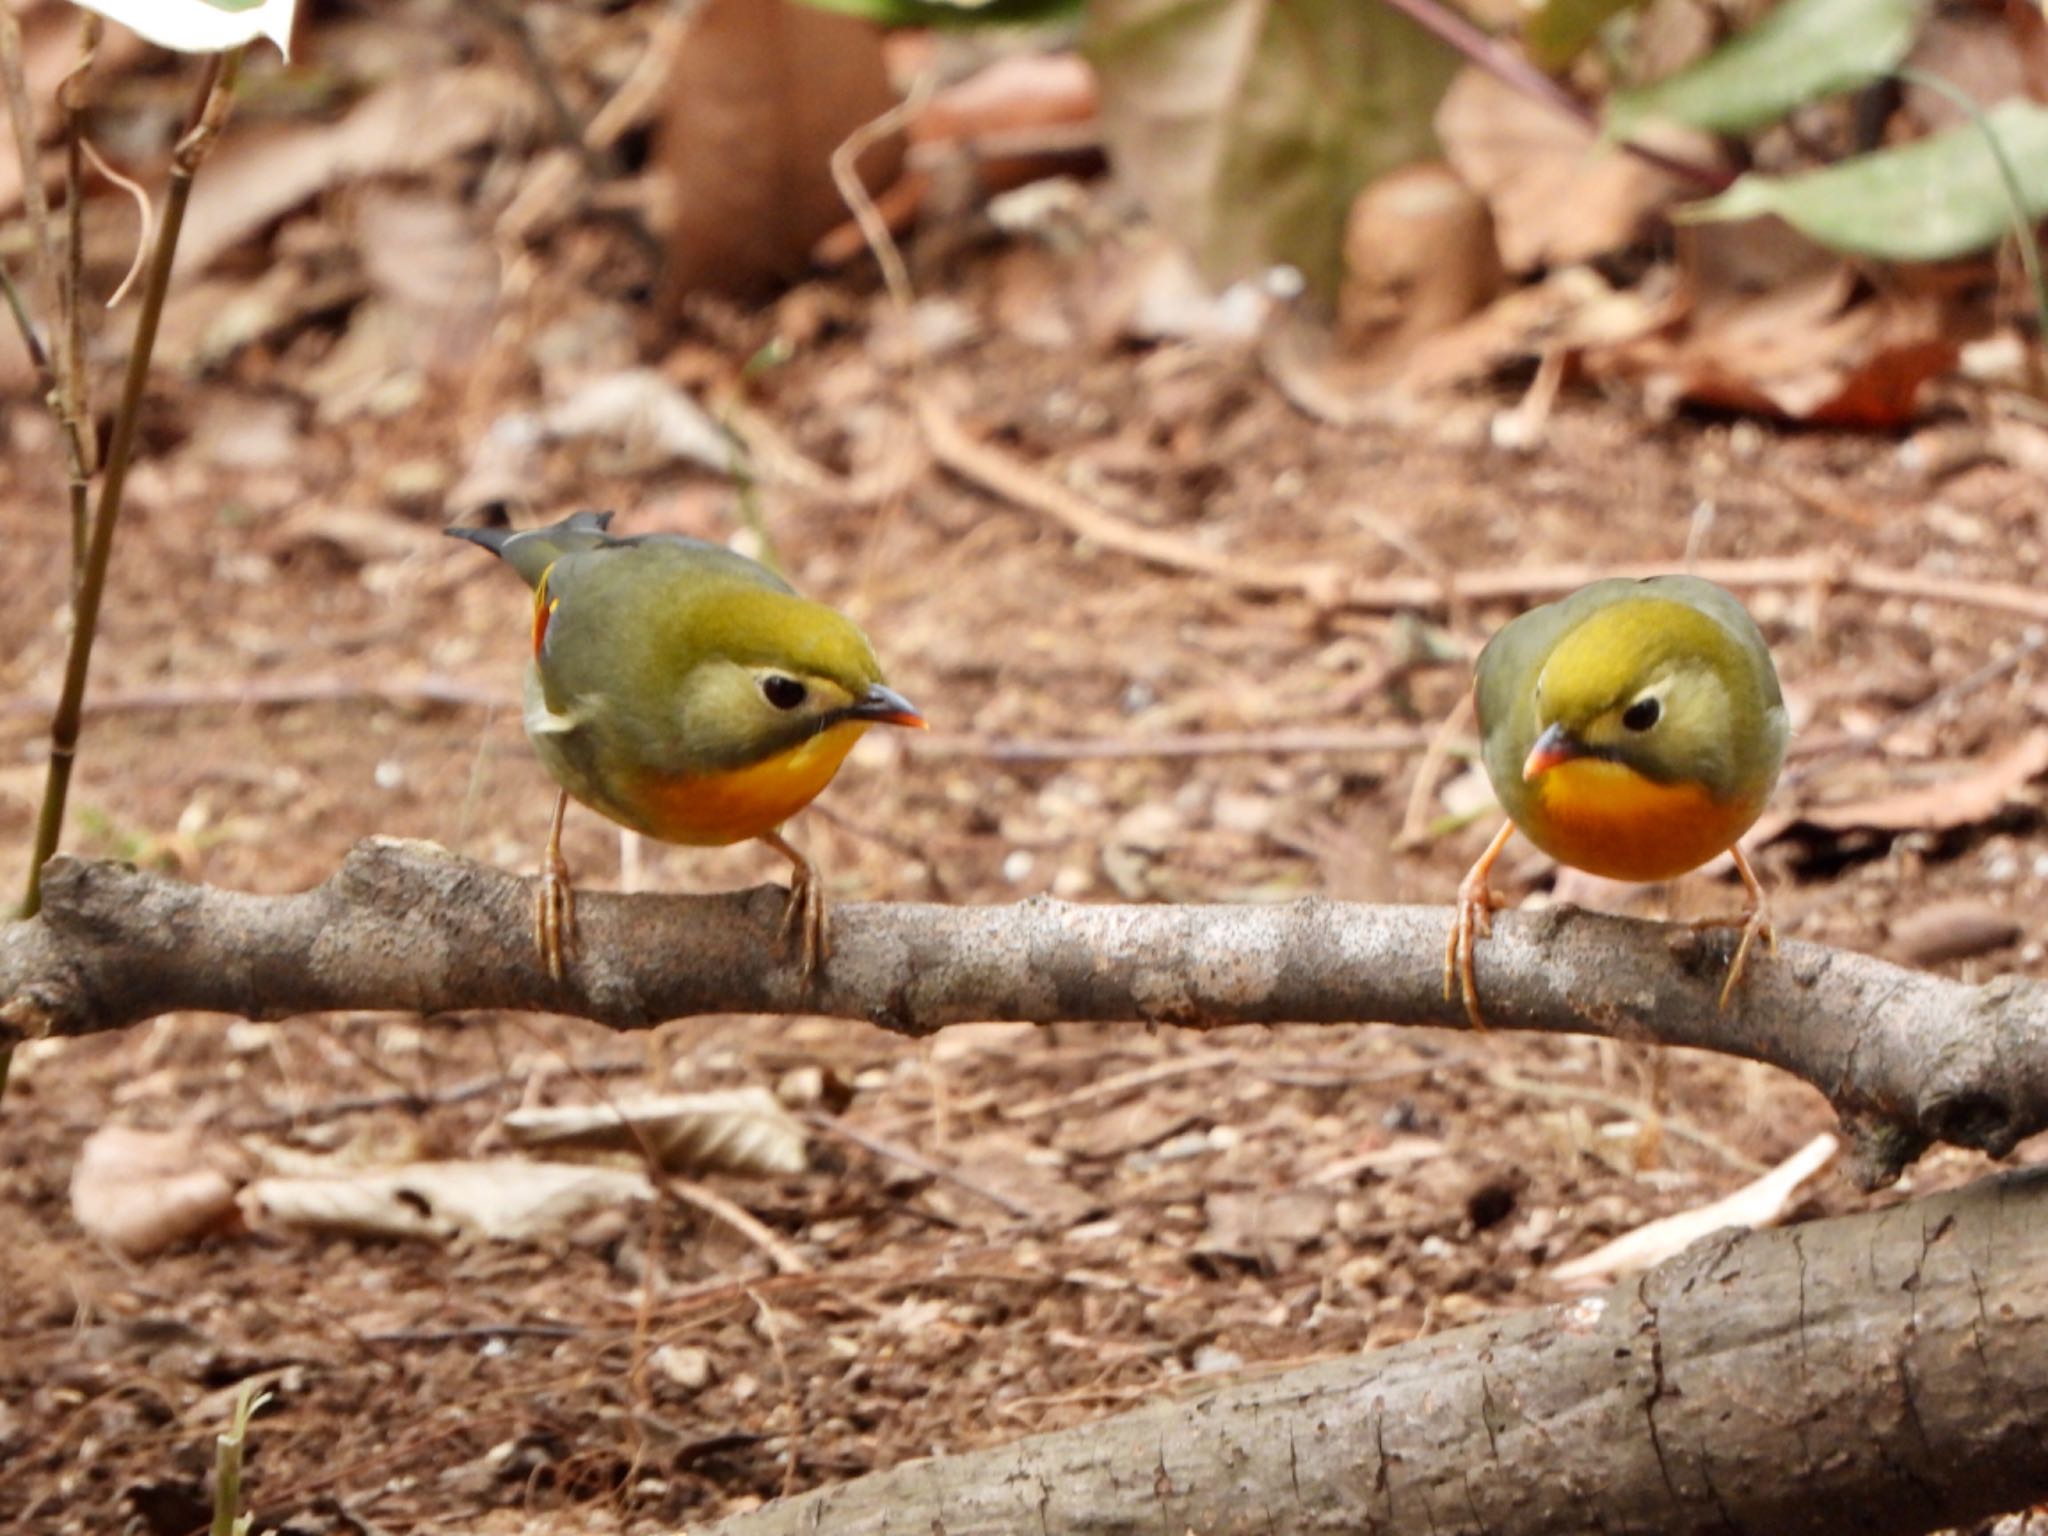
{"points": [[507, 1199], [1814, 348], [1971, 794], [141, 1192], [1568, 312], [410, 127], [1558, 193], [739, 1130], [357, 536], [1760, 1203]]}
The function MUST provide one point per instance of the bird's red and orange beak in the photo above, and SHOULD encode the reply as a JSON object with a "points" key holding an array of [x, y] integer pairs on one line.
{"points": [[1555, 747], [885, 706]]}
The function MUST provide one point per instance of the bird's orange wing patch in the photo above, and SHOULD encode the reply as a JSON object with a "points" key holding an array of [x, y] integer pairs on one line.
{"points": [[543, 610], [1610, 820]]}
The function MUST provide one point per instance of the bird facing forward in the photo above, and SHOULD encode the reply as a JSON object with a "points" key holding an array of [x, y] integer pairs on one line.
{"points": [[1634, 730], [688, 693]]}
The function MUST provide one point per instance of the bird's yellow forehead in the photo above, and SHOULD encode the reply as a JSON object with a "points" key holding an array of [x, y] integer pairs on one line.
{"points": [[1616, 651]]}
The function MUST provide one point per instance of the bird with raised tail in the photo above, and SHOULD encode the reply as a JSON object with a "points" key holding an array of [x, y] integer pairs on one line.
{"points": [[687, 692]]}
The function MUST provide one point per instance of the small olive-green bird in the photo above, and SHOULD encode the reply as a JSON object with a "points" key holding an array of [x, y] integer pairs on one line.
{"points": [[686, 692], [1635, 730]]}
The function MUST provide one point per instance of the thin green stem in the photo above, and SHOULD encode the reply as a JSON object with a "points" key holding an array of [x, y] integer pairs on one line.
{"points": [[228, 1519], [217, 89]]}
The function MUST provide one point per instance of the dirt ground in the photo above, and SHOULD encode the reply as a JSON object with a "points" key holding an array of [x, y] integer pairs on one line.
{"points": [[1206, 1204]]}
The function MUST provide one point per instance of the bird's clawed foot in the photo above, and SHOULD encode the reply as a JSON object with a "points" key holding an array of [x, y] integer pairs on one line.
{"points": [[803, 919], [1471, 921], [554, 907], [1754, 921]]}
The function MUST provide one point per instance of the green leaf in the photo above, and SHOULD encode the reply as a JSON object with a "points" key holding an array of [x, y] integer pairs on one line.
{"points": [[1803, 50], [1930, 200], [203, 26], [1246, 127]]}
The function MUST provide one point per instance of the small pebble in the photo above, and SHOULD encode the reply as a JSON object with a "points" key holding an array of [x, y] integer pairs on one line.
{"points": [[687, 1367]]}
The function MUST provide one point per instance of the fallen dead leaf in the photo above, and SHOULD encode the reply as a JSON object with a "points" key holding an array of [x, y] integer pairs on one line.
{"points": [[141, 1192], [1757, 1204], [1247, 145], [1814, 348], [503, 468], [738, 1130], [507, 1199], [1975, 793], [210, 319], [411, 126], [1558, 193], [1568, 311]]}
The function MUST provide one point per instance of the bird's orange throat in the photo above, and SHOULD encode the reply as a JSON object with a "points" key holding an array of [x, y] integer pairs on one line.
{"points": [[711, 810], [1609, 820]]}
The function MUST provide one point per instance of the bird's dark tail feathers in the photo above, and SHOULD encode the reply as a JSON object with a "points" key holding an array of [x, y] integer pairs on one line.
{"points": [[531, 552]]}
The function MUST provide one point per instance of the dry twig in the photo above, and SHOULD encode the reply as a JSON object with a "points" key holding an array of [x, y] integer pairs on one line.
{"points": [[1907, 1059]]}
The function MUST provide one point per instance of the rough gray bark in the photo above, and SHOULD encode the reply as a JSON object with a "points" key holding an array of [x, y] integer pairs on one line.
{"points": [[1875, 1374], [1907, 1059]]}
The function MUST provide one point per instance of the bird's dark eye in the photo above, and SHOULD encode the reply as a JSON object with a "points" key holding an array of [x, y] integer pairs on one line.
{"points": [[1642, 714], [783, 692]]}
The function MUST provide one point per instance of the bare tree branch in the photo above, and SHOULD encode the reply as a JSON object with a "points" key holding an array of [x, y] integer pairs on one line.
{"points": [[1906, 1058], [1873, 1375]]}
